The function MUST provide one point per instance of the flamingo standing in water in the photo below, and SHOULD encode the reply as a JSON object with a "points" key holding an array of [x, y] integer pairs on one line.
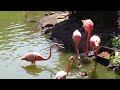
{"points": [[34, 56], [88, 27], [76, 38], [95, 44], [63, 74]]}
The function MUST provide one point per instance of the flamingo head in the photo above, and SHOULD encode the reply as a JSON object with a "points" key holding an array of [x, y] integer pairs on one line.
{"points": [[95, 41], [59, 45], [88, 25], [23, 58], [76, 36]]}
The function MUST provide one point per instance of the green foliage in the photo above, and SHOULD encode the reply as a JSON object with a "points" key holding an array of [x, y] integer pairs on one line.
{"points": [[111, 58], [116, 42], [115, 59]]}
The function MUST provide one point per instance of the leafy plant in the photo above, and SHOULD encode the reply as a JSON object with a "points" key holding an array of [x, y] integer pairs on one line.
{"points": [[116, 42], [115, 59]]}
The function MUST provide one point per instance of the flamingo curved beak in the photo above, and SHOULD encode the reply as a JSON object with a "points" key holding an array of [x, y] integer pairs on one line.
{"points": [[23, 58], [61, 46]]}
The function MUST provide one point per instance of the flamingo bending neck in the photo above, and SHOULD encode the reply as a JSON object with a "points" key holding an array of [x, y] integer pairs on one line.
{"points": [[68, 68], [49, 53]]}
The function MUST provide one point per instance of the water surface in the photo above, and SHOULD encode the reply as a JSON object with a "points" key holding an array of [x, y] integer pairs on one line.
{"points": [[18, 36]]}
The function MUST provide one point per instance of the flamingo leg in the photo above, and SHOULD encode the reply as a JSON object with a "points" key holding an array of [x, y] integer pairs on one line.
{"points": [[79, 61], [34, 62], [95, 59], [78, 55], [95, 66], [96, 53]]}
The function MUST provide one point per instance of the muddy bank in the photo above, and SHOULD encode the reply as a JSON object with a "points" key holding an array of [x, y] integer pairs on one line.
{"points": [[60, 29]]}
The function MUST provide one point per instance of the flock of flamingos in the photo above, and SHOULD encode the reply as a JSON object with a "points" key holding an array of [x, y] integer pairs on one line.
{"points": [[94, 42]]}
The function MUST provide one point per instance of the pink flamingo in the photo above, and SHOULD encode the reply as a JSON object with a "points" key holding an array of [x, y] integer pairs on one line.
{"points": [[76, 38], [88, 27], [34, 56], [95, 44], [63, 74]]}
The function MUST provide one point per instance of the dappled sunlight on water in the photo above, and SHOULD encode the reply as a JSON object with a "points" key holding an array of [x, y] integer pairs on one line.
{"points": [[17, 37]]}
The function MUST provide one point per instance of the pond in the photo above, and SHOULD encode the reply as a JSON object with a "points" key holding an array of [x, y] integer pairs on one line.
{"points": [[19, 36]]}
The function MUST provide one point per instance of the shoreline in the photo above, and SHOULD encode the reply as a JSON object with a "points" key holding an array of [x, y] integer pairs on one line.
{"points": [[60, 28]]}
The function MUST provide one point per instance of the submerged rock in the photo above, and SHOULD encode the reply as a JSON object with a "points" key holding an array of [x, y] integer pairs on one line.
{"points": [[83, 74], [112, 66], [117, 70], [115, 67]]}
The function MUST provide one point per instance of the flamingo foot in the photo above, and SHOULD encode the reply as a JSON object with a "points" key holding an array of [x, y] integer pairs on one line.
{"points": [[79, 61], [93, 69], [32, 63]]}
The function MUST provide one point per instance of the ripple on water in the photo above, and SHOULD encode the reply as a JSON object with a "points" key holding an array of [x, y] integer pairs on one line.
{"points": [[15, 26], [17, 38]]}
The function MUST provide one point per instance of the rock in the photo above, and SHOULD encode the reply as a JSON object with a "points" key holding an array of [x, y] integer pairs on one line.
{"points": [[47, 25], [50, 20], [113, 66], [46, 14], [83, 74], [51, 13], [117, 70], [61, 28]]}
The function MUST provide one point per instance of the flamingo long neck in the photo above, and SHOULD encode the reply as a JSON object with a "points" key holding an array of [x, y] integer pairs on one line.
{"points": [[68, 68], [49, 54], [88, 38], [76, 47], [97, 51]]}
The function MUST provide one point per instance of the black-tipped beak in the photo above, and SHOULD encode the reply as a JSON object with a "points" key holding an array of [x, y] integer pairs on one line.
{"points": [[61, 46], [22, 58]]}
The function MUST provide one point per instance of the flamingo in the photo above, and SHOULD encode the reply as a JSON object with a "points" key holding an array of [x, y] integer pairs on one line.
{"points": [[76, 38], [35, 56], [88, 27], [63, 74], [95, 44]]}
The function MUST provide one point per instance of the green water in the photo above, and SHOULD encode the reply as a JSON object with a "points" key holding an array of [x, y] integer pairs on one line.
{"points": [[18, 36]]}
